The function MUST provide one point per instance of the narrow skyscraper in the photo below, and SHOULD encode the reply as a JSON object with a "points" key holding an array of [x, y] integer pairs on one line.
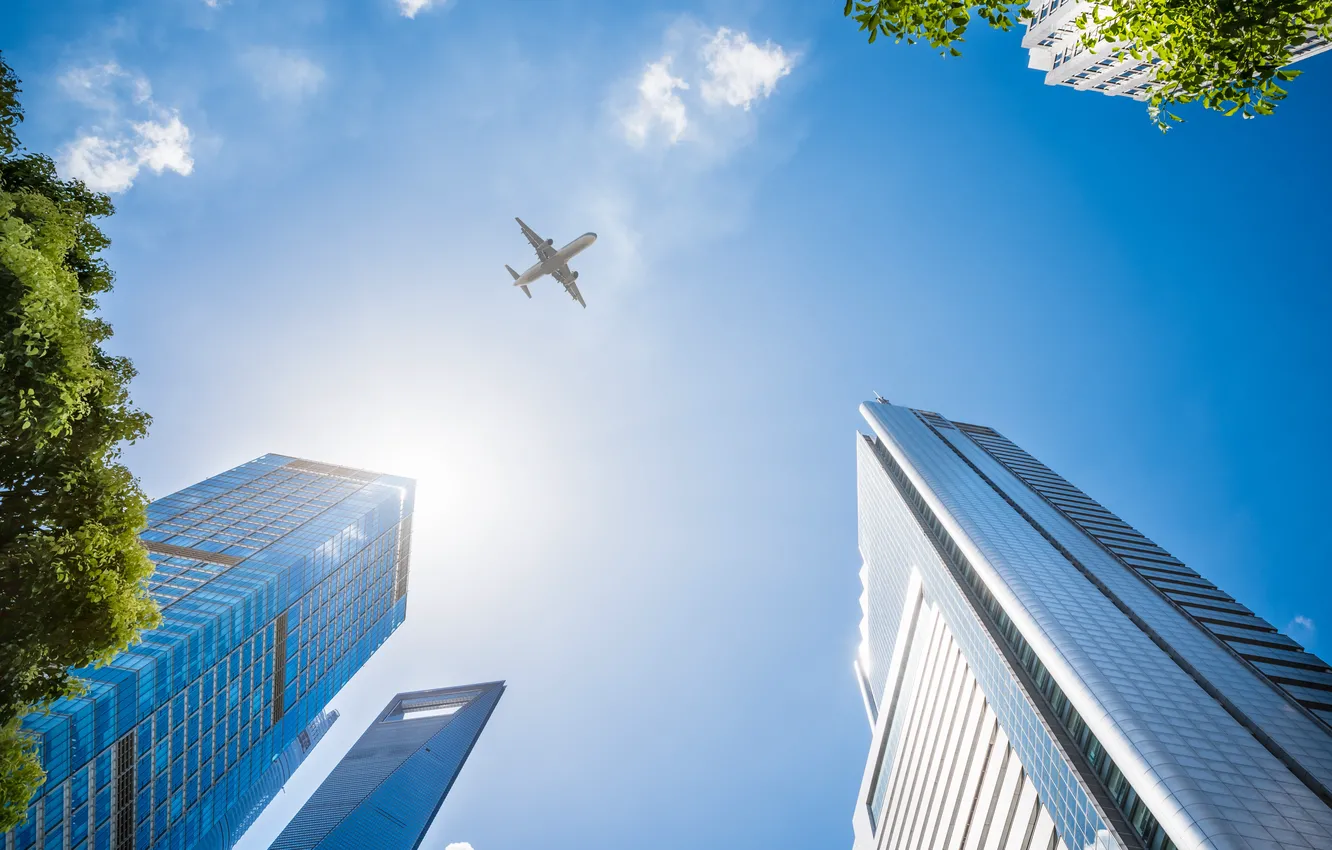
{"points": [[1039, 675], [387, 789], [277, 580]]}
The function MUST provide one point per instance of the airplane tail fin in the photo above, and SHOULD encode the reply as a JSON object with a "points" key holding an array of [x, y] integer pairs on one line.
{"points": [[515, 274]]}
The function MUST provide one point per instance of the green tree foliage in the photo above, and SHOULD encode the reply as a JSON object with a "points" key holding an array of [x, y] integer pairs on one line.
{"points": [[72, 571], [1231, 57], [20, 773]]}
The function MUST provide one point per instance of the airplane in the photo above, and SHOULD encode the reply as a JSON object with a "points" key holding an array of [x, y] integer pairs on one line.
{"points": [[552, 262]]}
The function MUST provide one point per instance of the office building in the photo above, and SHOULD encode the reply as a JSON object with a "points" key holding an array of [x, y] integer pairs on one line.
{"points": [[1054, 46], [276, 580], [387, 789], [1038, 674]]}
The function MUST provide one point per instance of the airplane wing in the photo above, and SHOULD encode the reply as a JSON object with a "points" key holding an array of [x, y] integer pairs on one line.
{"points": [[566, 277], [544, 250]]}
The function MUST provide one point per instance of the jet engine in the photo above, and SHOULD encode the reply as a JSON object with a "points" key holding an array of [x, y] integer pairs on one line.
{"points": [[575, 275], [550, 241]]}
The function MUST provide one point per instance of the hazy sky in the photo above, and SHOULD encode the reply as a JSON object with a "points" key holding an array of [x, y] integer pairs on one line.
{"points": [[642, 514]]}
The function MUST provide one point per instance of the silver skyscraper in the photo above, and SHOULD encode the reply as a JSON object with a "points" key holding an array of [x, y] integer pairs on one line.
{"points": [[1038, 674]]}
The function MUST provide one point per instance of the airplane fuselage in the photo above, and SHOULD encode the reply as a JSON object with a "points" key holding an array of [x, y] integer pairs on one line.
{"points": [[556, 260]]}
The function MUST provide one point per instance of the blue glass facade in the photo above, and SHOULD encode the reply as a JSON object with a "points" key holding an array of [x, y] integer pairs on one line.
{"points": [[277, 580], [387, 789]]}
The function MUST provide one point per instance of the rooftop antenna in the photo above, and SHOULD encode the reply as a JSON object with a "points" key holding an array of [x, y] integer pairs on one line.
{"points": [[880, 398]]}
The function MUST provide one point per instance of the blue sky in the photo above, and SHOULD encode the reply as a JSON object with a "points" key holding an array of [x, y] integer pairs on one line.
{"points": [[642, 514]]}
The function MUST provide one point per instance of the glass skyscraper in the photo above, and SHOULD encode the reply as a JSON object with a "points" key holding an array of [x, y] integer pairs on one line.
{"points": [[387, 789], [1038, 674], [277, 580]]}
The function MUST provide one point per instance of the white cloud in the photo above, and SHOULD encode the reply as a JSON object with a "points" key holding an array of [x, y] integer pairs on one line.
{"points": [[459, 845], [409, 8], [283, 74], [132, 132], [95, 85], [1301, 629], [112, 164], [708, 69], [104, 86], [658, 104], [164, 145], [106, 165], [740, 71]]}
